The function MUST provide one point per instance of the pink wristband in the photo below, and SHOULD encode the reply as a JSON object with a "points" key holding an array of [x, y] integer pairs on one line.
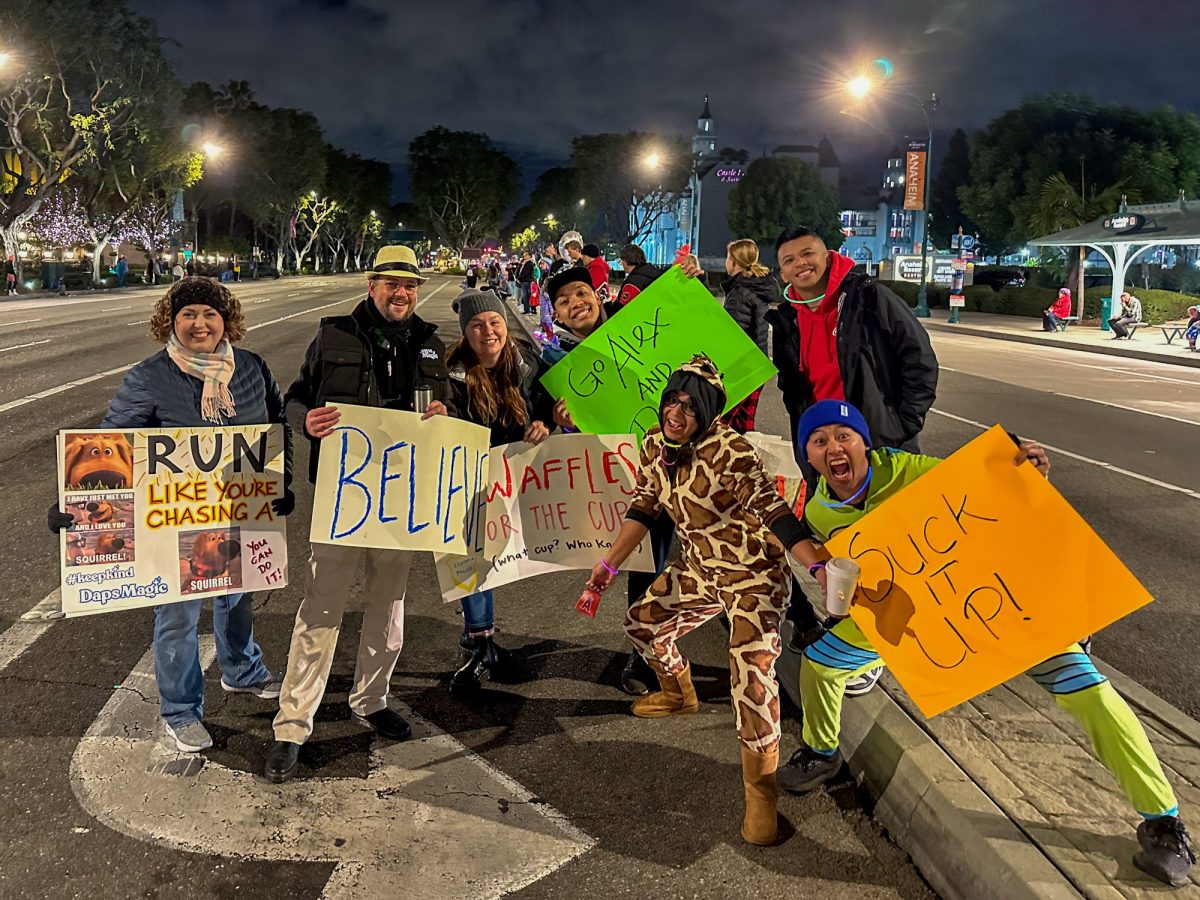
{"points": [[611, 570]]}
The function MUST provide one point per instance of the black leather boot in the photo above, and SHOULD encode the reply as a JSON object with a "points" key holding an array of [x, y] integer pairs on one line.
{"points": [[637, 678], [487, 659]]}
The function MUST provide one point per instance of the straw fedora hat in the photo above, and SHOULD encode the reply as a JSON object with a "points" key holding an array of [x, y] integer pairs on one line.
{"points": [[398, 261]]}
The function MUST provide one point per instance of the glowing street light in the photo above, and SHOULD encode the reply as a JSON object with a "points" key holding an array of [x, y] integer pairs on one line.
{"points": [[651, 161], [5, 56], [582, 202], [859, 87], [212, 150]]}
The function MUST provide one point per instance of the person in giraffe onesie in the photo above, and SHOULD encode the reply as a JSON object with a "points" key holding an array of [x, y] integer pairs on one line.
{"points": [[856, 479], [734, 528]]}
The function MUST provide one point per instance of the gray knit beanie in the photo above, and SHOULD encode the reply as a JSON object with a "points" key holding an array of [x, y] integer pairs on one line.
{"points": [[473, 302]]}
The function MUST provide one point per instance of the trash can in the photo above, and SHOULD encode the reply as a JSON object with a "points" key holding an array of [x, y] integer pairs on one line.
{"points": [[1105, 312]]}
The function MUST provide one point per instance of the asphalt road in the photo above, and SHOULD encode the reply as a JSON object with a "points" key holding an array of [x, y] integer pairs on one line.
{"points": [[643, 809]]}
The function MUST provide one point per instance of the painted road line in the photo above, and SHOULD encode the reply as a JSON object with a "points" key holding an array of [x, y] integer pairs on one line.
{"points": [[23, 346], [1087, 459], [18, 322], [1121, 406], [19, 636], [145, 322], [117, 308], [297, 315], [79, 382], [429, 812]]}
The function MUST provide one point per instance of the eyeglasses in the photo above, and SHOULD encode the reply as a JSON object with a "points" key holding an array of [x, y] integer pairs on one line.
{"points": [[684, 406], [392, 286]]}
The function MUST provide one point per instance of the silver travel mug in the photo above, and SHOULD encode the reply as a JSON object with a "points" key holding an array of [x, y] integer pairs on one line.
{"points": [[422, 397]]}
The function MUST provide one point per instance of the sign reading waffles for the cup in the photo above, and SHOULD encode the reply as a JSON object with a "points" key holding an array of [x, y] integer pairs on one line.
{"points": [[163, 515]]}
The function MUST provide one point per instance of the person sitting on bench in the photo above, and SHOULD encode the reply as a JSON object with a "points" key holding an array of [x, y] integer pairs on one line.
{"points": [[1060, 309], [1131, 314]]}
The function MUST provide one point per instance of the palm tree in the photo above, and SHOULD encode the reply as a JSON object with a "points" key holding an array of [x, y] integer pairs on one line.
{"points": [[1061, 206]]}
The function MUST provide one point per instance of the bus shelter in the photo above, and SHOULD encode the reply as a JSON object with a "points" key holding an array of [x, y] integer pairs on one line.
{"points": [[1129, 233]]}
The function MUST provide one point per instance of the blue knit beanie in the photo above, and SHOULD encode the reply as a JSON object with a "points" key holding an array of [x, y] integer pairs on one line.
{"points": [[832, 412]]}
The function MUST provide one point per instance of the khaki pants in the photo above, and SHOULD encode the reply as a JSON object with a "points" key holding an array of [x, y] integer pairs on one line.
{"points": [[332, 569]]}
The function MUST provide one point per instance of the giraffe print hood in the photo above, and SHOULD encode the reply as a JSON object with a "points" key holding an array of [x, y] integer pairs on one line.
{"points": [[701, 381]]}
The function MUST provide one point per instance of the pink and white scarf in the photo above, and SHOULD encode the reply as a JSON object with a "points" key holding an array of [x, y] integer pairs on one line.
{"points": [[215, 370]]}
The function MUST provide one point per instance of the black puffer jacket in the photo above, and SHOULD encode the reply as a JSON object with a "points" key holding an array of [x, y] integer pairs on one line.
{"points": [[538, 401], [640, 278], [747, 300], [889, 370], [345, 361]]}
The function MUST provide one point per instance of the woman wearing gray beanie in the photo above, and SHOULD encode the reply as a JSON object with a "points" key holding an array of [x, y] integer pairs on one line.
{"points": [[495, 380]]}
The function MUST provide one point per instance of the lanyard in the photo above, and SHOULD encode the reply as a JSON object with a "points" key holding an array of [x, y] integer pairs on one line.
{"points": [[849, 501]]}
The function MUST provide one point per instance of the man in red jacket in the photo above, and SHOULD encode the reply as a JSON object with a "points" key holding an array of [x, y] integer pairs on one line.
{"points": [[598, 269]]}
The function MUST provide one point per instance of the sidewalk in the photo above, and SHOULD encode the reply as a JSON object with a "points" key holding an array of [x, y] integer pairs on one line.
{"points": [[1001, 797], [1148, 343]]}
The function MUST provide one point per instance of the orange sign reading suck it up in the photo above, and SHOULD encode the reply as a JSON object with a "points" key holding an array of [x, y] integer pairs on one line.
{"points": [[978, 571]]}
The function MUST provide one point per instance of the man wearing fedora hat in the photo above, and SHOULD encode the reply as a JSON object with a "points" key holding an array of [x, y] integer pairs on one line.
{"points": [[376, 356]]}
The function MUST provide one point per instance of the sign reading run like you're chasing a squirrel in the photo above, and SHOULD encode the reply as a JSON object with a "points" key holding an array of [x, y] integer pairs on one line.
{"points": [[162, 515]]}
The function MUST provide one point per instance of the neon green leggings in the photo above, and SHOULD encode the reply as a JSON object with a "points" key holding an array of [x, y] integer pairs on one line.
{"points": [[1117, 736]]}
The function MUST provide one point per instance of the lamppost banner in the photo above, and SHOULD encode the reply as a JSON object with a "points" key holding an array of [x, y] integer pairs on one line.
{"points": [[914, 174]]}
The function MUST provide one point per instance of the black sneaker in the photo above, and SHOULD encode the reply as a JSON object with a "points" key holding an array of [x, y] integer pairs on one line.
{"points": [[387, 724], [281, 762], [637, 679], [1166, 850], [808, 769]]}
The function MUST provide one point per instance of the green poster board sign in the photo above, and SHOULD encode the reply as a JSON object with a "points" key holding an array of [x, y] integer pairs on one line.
{"points": [[612, 381]]}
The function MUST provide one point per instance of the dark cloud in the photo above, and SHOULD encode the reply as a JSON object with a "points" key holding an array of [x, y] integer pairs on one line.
{"points": [[533, 74]]}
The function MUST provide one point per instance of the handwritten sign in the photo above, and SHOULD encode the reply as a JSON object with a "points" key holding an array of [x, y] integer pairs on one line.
{"points": [[387, 479], [978, 571], [163, 515], [612, 382], [549, 508]]}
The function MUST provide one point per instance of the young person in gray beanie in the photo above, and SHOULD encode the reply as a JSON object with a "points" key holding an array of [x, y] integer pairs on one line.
{"points": [[495, 381]]}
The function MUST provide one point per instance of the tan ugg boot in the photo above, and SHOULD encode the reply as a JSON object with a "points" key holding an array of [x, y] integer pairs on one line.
{"points": [[677, 697], [760, 826]]}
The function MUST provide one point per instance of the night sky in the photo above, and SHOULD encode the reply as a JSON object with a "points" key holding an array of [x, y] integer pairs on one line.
{"points": [[533, 74]]}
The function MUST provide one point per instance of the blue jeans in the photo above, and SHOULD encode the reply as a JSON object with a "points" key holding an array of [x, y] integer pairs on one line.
{"points": [[478, 612], [177, 654]]}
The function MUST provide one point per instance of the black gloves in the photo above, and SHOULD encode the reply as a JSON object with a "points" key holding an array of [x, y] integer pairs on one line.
{"points": [[57, 520], [283, 506]]}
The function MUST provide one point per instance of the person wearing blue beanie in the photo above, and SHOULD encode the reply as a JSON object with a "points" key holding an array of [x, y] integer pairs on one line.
{"points": [[831, 412]]}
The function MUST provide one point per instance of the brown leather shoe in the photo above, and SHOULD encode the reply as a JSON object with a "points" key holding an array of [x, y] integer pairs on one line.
{"points": [[676, 697], [760, 825]]}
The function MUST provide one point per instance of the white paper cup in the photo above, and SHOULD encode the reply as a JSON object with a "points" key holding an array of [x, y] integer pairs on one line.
{"points": [[841, 578]]}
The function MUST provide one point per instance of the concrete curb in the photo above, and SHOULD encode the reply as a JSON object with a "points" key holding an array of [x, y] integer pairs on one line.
{"points": [[1123, 350], [961, 841]]}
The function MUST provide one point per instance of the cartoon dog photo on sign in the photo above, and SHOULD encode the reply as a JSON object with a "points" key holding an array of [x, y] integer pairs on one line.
{"points": [[100, 548], [105, 512], [210, 560], [93, 462]]}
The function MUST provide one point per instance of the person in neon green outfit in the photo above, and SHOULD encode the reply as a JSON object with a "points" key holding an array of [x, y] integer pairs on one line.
{"points": [[856, 479]]}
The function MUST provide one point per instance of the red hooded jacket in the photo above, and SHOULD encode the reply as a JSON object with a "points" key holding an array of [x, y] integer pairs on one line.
{"points": [[1062, 306], [598, 269], [818, 333]]}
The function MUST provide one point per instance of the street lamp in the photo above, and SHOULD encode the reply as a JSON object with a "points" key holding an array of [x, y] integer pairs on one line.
{"points": [[211, 150], [651, 161], [859, 88]]}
